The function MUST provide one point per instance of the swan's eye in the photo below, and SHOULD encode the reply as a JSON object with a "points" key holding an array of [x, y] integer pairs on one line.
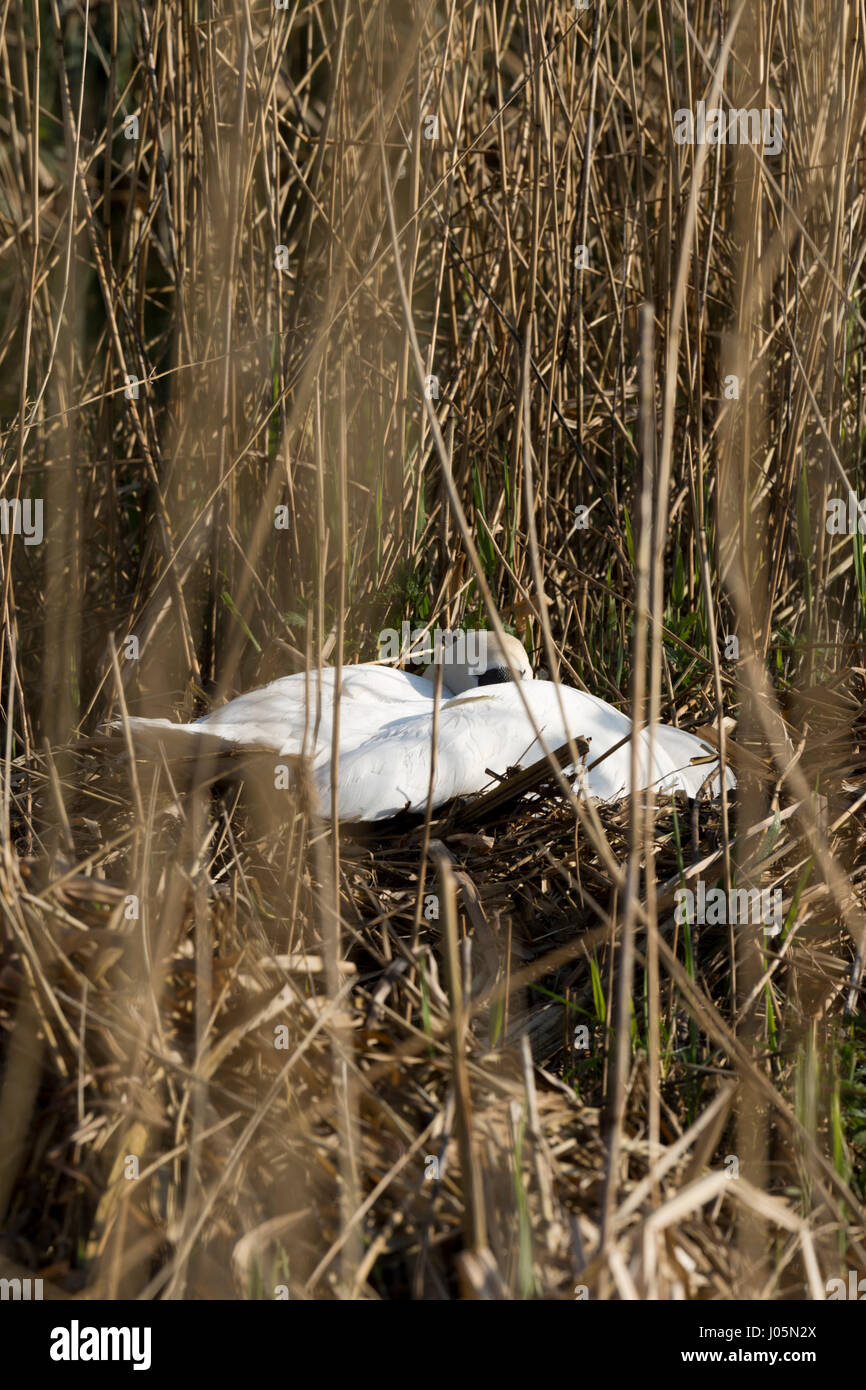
{"points": [[497, 675]]}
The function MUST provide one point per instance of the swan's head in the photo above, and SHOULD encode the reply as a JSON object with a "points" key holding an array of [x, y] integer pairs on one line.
{"points": [[471, 659]]}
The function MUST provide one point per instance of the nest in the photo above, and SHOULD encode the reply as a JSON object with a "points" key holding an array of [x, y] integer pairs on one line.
{"points": [[252, 1071]]}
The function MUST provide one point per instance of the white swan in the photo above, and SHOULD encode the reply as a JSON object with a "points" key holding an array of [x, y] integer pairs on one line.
{"points": [[386, 725]]}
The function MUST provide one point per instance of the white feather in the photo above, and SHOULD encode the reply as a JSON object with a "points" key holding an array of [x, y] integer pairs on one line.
{"points": [[385, 735]]}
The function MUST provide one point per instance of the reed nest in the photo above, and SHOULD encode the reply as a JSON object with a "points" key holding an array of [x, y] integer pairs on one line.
{"points": [[478, 1168]]}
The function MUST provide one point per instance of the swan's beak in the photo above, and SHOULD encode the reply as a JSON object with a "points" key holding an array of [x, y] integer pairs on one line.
{"points": [[495, 675]]}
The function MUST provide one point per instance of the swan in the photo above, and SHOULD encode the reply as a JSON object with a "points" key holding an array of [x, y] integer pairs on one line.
{"points": [[386, 725]]}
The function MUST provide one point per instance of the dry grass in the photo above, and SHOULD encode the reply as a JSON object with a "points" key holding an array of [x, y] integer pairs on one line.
{"points": [[245, 1052]]}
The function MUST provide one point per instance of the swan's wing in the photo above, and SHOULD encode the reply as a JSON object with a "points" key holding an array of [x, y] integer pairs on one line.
{"points": [[486, 732], [390, 772], [274, 717], [295, 713], [482, 734]]}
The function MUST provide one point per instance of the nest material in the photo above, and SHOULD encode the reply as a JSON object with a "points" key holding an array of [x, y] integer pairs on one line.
{"points": [[229, 1099]]}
